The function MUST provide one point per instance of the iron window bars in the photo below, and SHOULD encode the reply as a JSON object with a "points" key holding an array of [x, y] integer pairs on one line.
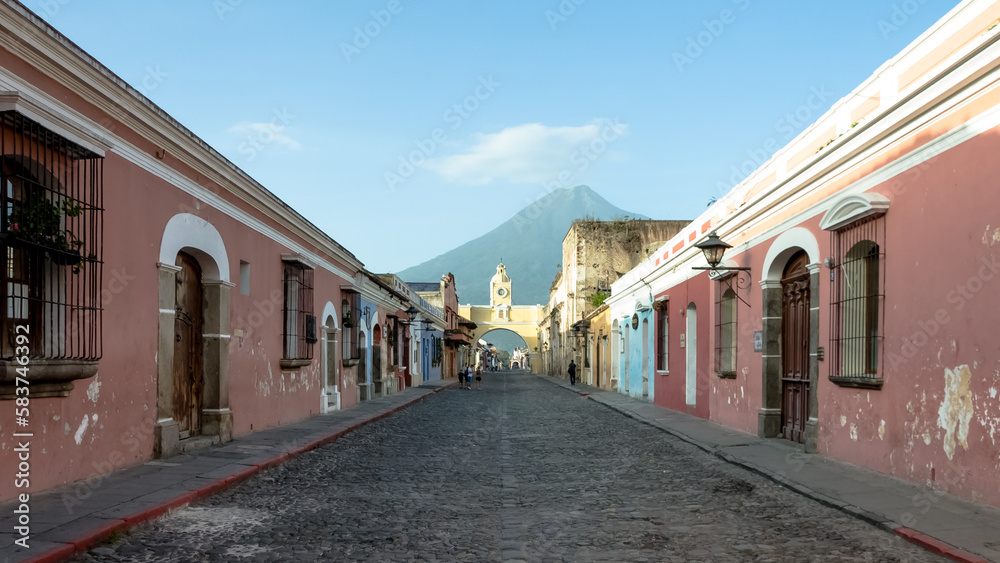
{"points": [[726, 313], [299, 322], [51, 241], [857, 307]]}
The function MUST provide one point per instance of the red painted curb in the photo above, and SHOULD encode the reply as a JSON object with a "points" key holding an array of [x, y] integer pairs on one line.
{"points": [[90, 539], [937, 546]]}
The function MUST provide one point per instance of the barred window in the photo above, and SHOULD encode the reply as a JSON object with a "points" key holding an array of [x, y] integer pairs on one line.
{"points": [[725, 332], [300, 324], [857, 303], [50, 242], [662, 337]]}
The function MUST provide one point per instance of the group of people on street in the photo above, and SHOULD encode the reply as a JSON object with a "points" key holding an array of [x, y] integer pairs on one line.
{"points": [[465, 378]]}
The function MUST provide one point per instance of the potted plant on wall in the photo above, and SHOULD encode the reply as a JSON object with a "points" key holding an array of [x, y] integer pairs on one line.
{"points": [[38, 222], [348, 323]]}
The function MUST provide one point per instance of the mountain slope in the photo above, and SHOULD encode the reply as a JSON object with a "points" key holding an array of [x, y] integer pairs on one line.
{"points": [[530, 244]]}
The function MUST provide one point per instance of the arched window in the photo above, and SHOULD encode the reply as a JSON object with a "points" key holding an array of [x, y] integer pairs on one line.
{"points": [[725, 352]]}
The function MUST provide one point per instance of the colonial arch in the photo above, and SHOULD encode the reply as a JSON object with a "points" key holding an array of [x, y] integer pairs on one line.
{"points": [[528, 331], [531, 359], [189, 235]]}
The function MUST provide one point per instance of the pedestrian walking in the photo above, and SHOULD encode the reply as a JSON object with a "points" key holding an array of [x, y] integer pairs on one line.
{"points": [[468, 378], [479, 378], [572, 372], [461, 378]]}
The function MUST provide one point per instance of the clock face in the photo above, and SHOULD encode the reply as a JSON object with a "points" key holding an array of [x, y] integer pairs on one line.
{"points": [[502, 291]]}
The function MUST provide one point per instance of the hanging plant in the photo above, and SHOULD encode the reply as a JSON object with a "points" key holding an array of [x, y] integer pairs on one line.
{"points": [[39, 222]]}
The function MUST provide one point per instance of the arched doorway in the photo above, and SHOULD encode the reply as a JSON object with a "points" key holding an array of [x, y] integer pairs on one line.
{"points": [[795, 386], [789, 283], [691, 356], [192, 407], [330, 400]]}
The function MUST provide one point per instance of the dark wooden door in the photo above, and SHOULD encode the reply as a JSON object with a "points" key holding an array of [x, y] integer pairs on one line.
{"points": [[795, 348], [188, 381], [407, 362]]}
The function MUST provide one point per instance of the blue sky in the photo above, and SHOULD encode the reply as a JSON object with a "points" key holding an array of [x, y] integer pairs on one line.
{"points": [[404, 128]]}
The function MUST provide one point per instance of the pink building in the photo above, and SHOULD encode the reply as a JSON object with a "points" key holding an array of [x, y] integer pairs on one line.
{"points": [[864, 325], [159, 297]]}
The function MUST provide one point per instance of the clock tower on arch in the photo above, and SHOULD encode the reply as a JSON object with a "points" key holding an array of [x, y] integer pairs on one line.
{"points": [[500, 293]]}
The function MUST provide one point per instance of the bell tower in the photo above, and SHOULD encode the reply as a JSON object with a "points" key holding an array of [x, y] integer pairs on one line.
{"points": [[500, 291]]}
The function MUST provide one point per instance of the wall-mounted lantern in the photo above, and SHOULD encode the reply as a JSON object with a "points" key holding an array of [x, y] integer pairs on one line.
{"points": [[713, 248]]}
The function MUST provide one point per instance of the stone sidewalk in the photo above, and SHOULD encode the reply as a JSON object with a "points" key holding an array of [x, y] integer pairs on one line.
{"points": [[78, 516], [945, 524]]}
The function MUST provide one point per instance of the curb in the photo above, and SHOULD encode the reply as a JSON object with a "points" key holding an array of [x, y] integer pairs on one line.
{"points": [[925, 541], [937, 546], [107, 531]]}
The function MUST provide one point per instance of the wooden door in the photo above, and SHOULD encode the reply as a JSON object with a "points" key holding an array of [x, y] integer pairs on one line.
{"points": [[795, 348], [188, 381], [408, 362]]}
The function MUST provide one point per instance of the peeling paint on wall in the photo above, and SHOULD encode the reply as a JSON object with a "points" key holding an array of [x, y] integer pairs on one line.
{"points": [[81, 430], [854, 432], [843, 421], [956, 409], [881, 430], [94, 390]]}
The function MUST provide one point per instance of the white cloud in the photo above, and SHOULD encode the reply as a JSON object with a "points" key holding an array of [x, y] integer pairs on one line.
{"points": [[265, 133], [528, 153]]}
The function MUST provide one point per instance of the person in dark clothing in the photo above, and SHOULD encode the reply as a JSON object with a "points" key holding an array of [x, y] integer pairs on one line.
{"points": [[572, 372]]}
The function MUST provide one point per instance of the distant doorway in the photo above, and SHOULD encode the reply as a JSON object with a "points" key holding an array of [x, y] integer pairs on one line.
{"points": [[691, 357]]}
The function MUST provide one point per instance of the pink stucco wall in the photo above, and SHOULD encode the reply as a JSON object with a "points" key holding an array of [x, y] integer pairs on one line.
{"points": [[107, 422]]}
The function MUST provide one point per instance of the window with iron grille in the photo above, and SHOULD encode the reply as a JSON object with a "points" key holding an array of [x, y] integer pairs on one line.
{"points": [[438, 351], [662, 337], [300, 324], [857, 303], [725, 331], [392, 335], [352, 324], [51, 237]]}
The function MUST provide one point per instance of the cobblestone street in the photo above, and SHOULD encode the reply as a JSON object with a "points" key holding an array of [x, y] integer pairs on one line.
{"points": [[522, 470]]}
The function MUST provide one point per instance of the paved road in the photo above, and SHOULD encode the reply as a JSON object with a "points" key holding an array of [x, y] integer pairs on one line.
{"points": [[522, 470]]}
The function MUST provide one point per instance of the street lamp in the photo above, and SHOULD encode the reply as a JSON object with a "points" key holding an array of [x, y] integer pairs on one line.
{"points": [[713, 248]]}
